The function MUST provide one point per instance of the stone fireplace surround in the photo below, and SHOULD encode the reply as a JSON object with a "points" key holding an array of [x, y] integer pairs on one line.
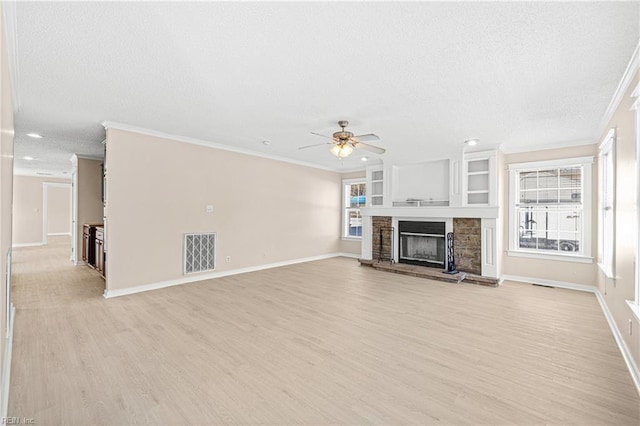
{"points": [[475, 232]]}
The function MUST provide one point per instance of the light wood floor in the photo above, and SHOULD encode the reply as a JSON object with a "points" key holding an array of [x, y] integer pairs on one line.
{"points": [[325, 342]]}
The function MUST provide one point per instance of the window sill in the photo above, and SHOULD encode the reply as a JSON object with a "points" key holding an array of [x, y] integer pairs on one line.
{"points": [[351, 238], [607, 273], [635, 308], [545, 256]]}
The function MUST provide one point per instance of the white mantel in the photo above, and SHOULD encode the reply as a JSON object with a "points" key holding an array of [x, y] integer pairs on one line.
{"points": [[432, 212]]}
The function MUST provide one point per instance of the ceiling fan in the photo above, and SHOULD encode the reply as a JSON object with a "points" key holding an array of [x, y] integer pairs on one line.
{"points": [[344, 141]]}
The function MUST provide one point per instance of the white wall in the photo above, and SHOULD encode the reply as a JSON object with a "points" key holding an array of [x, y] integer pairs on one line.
{"points": [[28, 208], [617, 291], [426, 181], [264, 211], [58, 214], [6, 189]]}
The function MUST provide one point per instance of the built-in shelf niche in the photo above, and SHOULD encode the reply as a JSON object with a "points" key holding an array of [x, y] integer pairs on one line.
{"points": [[479, 178], [421, 184], [377, 187]]}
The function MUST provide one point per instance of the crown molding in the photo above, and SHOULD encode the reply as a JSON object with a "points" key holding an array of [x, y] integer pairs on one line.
{"points": [[201, 142], [86, 157], [627, 77], [11, 38], [611, 134], [555, 145]]}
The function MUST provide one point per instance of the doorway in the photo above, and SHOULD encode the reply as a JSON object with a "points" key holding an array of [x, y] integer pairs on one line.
{"points": [[56, 211]]}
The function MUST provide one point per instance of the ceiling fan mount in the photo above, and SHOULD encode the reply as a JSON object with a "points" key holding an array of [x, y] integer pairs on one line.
{"points": [[344, 141], [343, 135]]}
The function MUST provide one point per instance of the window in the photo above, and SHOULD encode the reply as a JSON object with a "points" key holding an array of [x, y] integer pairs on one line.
{"points": [[607, 213], [355, 197], [550, 209]]}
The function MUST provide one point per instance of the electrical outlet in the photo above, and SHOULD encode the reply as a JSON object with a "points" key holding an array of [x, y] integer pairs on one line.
{"points": [[209, 209], [228, 259]]}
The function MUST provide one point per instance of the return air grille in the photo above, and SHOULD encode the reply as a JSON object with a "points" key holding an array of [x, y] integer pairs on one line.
{"points": [[199, 252]]}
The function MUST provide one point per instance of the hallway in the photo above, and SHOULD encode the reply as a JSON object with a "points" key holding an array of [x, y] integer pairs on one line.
{"points": [[45, 278], [50, 296]]}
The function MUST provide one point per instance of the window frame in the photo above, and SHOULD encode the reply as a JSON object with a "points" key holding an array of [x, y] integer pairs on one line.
{"points": [[346, 206], [607, 183], [587, 195]]}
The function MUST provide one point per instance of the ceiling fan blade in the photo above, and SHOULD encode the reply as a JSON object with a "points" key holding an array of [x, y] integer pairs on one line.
{"points": [[324, 136], [316, 144], [367, 138], [367, 147]]}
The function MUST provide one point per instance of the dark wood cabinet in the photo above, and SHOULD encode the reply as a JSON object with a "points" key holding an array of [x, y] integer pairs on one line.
{"points": [[99, 253], [88, 248], [93, 246]]}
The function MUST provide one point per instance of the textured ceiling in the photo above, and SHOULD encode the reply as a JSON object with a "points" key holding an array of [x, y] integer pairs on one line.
{"points": [[423, 76]]}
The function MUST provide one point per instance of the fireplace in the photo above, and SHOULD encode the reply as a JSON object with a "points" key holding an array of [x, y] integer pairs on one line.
{"points": [[422, 243]]}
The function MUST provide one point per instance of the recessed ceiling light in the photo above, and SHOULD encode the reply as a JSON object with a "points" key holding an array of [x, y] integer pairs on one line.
{"points": [[472, 142], [34, 135], [267, 143], [28, 158], [365, 158]]}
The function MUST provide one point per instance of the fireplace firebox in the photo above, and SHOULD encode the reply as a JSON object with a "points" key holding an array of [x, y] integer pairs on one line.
{"points": [[422, 243]]}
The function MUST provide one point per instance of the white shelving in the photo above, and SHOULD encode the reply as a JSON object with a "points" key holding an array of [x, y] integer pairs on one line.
{"points": [[376, 187], [480, 179]]}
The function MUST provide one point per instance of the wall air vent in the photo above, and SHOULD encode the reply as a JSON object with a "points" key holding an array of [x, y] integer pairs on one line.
{"points": [[199, 252]]}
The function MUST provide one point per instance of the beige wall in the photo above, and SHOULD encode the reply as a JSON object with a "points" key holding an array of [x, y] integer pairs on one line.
{"points": [[59, 209], [350, 246], [88, 180], [554, 270], [617, 292], [6, 182], [28, 208], [264, 211]]}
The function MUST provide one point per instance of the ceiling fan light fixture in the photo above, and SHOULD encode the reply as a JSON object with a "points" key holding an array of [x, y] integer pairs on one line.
{"points": [[342, 150]]}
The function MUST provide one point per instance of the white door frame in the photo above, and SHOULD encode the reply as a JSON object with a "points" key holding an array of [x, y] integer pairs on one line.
{"points": [[74, 217], [45, 196]]}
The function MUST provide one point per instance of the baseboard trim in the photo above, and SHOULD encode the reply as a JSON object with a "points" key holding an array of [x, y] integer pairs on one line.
{"points": [[6, 367], [624, 349], [59, 234], [350, 255], [622, 346], [550, 283], [79, 263], [191, 279], [27, 245]]}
